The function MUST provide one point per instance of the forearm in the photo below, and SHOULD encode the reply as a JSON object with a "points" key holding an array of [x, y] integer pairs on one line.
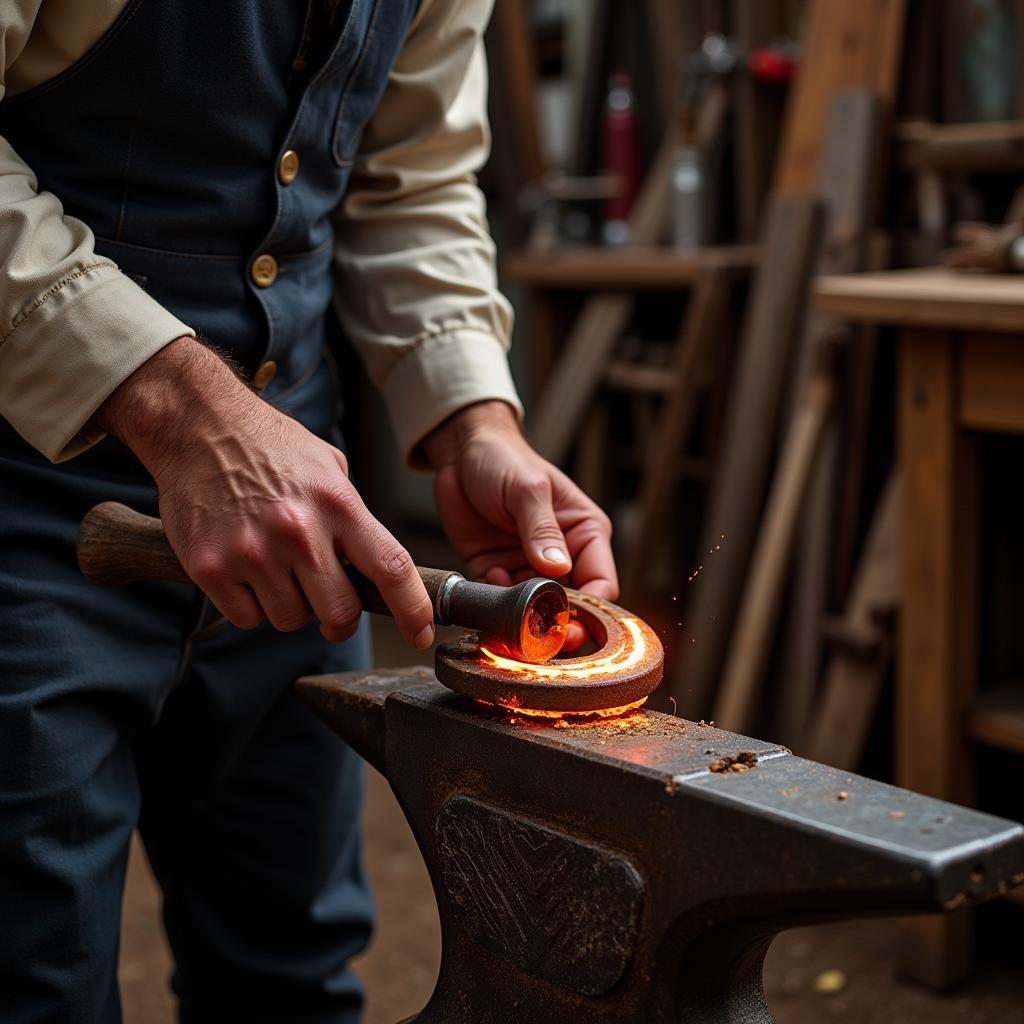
{"points": [[74, 326], [185, 395]]}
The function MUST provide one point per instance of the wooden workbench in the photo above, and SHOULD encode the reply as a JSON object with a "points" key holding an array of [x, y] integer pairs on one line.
{"points": [[961, 372]]}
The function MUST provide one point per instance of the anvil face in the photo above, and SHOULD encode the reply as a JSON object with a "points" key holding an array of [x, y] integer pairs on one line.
{"points": [[628, 871]]}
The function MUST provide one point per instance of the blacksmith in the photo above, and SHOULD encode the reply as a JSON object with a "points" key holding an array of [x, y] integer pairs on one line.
{"points": [[193, 193]]}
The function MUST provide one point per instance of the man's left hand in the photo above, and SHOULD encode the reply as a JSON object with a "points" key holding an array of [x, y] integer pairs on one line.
{"points": [[510, 514]]}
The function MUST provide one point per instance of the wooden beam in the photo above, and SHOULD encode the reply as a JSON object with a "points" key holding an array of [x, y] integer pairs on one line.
{"points": [[938, 625], [516, 159], [992, 383], [996, 718], [847, 44], [848, 176], [758, 115], [849, 698], [986, 146], [736, 702], [772, 320]]}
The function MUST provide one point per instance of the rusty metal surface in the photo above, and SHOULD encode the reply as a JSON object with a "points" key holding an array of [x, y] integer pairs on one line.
{"points": [[626, 668], [676, 876]]}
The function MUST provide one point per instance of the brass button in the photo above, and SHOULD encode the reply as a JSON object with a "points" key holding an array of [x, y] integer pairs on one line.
{"points": [[264, 374], [264, 270], [288, 167]]}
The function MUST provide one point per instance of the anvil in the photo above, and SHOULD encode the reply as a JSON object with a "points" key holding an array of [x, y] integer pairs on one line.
{"points": [[626, 871]]}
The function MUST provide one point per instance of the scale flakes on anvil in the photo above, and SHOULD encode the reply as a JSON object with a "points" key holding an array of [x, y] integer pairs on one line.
{"points": [[621, 674]]}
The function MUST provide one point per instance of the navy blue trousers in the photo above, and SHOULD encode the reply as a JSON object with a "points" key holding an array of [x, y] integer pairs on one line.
{"points": [[141, 707]]}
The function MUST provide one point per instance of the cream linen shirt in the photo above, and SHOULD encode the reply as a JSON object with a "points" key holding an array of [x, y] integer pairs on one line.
{"points": [[415, 284]]}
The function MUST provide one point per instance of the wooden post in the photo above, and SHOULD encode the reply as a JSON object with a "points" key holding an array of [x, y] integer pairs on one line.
{"points": [[736, 702], [849, 161], [852, 685], [938, 628], [846, 44], [773, 317]]}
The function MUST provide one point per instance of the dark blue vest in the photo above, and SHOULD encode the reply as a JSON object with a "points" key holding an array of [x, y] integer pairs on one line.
{"points": [[166, 139]]}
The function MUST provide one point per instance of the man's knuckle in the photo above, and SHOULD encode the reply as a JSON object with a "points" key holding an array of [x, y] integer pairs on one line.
{"points": [[287, 519], [343, 501], [288, 620], [250, 552], [207, 565], [342, 612], [535, 485], [395, 565], [246, 619], [294, 527]]}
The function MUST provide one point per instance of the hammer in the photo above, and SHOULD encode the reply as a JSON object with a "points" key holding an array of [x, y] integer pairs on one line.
{"points": [[117, 545]]}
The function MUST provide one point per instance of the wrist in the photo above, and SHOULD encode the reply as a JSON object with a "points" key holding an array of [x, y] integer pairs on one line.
{"points": [[443, 445], [171, 402]]}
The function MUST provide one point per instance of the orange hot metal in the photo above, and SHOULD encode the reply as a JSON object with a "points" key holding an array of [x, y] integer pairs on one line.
{"points": [[601, 713], [622, 673]]}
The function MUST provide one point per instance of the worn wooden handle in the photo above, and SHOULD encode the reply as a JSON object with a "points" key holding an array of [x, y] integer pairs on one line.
{"points": [[117, 545]]}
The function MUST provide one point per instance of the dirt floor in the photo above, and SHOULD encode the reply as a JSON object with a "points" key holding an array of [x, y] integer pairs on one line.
{"points": [[841, 973]]}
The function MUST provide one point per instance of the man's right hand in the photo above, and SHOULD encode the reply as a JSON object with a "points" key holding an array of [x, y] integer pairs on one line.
{"points": [[258, 510]]}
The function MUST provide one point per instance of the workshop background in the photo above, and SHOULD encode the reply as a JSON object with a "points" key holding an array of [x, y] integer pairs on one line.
{"points": [[723, 225]]}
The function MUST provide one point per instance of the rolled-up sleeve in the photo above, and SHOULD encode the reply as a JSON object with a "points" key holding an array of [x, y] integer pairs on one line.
{"points": [[416, 284], [72, 326]]}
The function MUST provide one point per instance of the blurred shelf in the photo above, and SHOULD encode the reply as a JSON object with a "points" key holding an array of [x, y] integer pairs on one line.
{"points": [[629, 268], [996, 718], [983, 146]]}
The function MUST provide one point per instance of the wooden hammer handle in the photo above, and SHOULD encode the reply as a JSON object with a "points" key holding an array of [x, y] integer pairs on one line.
{"points": [[117, 545]]}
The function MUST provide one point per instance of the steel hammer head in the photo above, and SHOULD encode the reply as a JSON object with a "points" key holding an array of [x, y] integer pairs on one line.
{"points": [[529, 620]]}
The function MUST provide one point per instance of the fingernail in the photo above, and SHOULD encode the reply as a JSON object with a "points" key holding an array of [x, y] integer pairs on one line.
{"points": [[556, 555], [424, 638]]}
